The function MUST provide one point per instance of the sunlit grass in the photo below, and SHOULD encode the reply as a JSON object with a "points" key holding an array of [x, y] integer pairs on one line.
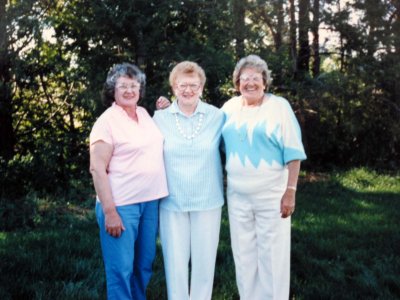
{"points": [[345, 241], [364, 180], [345, 237]]}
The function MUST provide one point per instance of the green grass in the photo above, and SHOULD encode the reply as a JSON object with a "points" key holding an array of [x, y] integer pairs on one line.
{"points": [[345, 244], [346, 239]]}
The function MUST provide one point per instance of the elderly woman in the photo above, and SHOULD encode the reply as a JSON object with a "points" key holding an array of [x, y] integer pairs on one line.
{"points": [[126, 162], [190, 216], [263, 153]]}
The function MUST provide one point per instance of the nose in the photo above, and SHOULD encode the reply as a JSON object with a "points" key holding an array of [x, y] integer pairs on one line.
{"points": [[188, 91], [187, 88]]}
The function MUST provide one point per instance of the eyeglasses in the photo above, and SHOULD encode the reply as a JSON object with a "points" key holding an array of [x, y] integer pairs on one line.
{"points": [[183, 86], [247, 78], [124, 87]]}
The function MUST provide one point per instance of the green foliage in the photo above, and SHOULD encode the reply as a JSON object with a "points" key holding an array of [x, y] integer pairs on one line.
{"points": [[53, 62], [57, 54], [345, 122], [26, 183]]}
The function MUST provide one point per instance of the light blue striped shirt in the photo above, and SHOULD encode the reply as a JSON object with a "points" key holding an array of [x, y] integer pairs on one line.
{"points": [[193, 165]]}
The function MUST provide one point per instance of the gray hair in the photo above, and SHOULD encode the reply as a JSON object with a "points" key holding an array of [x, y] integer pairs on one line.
{"points": [[122, 70], [254, 62]]}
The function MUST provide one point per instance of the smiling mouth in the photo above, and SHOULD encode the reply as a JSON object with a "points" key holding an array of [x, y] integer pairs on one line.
{"points": [[187, 96]]}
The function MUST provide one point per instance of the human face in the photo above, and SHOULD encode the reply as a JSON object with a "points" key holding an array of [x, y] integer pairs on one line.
{"points": [[127, 92], [187, 89], [251, 85]]}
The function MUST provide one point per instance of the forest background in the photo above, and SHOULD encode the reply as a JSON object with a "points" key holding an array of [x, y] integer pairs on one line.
{"points": [[337, 62]]}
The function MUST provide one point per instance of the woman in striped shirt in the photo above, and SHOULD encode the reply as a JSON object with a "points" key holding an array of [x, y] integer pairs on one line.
{"points": [[190, 216]]}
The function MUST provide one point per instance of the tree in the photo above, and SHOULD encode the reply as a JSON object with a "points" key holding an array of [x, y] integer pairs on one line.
{"points": [[303, 57], [55, 56], [239, 26], [7, 136], [293, 37], [315, 43]]}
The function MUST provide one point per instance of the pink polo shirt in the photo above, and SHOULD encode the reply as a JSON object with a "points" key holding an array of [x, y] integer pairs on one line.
{"points": [[136, 171]]}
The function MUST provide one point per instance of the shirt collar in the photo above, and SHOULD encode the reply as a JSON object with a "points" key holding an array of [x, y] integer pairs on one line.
{"points": [[201, 108], [118, 108]]}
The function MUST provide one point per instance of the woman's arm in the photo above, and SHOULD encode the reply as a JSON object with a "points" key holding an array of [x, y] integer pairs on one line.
{"points": [[288, 201], [100, 156], [162, 103]]}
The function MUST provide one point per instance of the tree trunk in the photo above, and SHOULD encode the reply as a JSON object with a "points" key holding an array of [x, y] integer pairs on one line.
{"points": [[396, 31], [278, 8], [315, 43], [275, 27], [341, 42], [7, 135], [239, 26], [280, 22], [396, 28], [303, 59], [293, 37]]}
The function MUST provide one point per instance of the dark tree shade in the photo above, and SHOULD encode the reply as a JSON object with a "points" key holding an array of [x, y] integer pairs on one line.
{"points": [[303, 57], [7, 136], [55, 56]]}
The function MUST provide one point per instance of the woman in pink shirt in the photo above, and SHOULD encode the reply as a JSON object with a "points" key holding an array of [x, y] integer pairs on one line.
{"points": [[127, 166]]}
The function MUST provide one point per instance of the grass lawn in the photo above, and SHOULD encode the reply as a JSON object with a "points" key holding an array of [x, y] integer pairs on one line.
{"points": [[345, 245]]}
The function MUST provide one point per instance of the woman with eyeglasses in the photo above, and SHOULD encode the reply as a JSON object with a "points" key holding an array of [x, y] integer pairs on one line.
{"points": [[263, 152], [190, 216], [127, 166]]}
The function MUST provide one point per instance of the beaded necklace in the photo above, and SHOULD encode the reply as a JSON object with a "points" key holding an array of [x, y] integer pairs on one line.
{"points": [[195, 132]]}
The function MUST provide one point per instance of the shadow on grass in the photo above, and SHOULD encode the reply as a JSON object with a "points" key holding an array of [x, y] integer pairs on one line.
{"points": [[53, 261], [345, 243]]}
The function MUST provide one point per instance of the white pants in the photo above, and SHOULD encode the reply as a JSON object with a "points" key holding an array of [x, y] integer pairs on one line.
{"points": [[260, 245], [190, 236]]}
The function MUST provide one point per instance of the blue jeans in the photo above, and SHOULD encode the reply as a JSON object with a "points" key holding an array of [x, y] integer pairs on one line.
{"points": [[128, 259]]}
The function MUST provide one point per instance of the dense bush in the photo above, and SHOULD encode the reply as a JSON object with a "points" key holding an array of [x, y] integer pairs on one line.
{"points": [[55, 56]]}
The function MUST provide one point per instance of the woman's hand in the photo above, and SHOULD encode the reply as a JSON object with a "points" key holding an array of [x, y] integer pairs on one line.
{"points": [[100, 156], [288, 203], [113, 223], [289, 197], [162, 103]]}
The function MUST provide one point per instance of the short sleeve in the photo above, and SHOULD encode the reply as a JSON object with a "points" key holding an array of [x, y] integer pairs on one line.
{"points": [[101, 131], [293, 146]]}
